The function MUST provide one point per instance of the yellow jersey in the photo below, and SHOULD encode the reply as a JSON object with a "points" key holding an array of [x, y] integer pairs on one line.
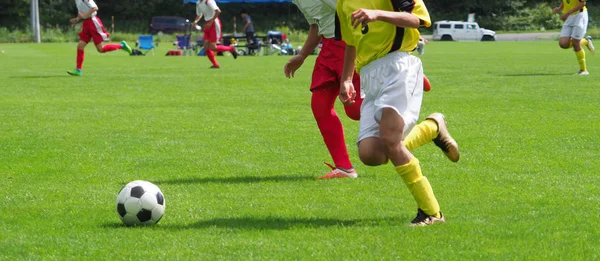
{"points": [[570, 4], [379, 38]]}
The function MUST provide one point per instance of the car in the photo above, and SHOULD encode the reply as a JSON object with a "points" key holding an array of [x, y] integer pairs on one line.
{"points": [[461, 31], [167, 24]]}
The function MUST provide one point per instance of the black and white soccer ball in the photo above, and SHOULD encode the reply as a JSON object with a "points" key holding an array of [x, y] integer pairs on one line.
{"points": [[140, 203]]}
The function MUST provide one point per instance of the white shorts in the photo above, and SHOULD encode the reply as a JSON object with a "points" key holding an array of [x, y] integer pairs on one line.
{"points": [[575, 26], [393, 81]]}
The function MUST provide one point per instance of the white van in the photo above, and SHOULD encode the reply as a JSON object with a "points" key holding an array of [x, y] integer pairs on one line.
{"points": [[461, 31]]}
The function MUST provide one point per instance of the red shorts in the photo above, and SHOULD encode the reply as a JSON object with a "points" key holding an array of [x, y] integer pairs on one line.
{"points": [[213, 33], [329, 65], [92, 28]]}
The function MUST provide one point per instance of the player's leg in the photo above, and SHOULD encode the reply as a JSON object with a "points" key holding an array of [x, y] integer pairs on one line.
{"points": [[223, 48], [580, 54], [587, 41], [85, 36], [79, 60], [325, 90], [565, 36], [399, 106], [578, 34], [433, 128], [210, 48], [210, 42], [332, 131], [99, 35]]}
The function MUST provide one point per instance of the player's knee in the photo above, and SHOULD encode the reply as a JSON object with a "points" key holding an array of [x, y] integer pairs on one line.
{"points": [[371, 153], [564, 45], [372, 158], [353, 112]]}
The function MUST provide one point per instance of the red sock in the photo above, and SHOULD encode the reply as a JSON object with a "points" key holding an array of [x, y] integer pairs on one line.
{"points": [[330, 125], [79, 59], [111, 47], [211, 56], [223, 48]]}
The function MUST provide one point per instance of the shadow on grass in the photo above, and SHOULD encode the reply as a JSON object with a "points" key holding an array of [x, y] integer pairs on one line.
{"points": [[278, 223], [39, 76], [244, 179], [536, 74]]}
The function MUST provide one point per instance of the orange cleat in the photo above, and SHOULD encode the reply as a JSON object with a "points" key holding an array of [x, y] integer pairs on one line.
{"points": [[338, 173]]}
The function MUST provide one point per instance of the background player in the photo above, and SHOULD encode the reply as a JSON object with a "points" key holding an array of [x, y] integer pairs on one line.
{"points": [[212, 30], [92, 29], [379, 35], [327, 71], [575, 15]]}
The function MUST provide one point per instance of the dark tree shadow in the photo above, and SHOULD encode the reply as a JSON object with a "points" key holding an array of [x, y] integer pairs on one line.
{"points": [[230, 180], [278, 223]]}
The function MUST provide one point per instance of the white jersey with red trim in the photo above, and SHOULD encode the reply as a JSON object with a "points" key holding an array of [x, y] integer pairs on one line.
{"points": [[85, 5], [206, 9], [321, 13]]}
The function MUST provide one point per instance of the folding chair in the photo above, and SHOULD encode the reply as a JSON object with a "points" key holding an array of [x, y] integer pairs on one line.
{"points": [[146, 43], [183, 43]]}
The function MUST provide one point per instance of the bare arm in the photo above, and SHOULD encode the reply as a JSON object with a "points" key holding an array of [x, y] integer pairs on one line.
{"points": [[399, 19], [348, 69], [347, 91], [309, 46], [560, 7], [246, 26], [197, 20], [81, 16], [312, 41], [217, 13]]}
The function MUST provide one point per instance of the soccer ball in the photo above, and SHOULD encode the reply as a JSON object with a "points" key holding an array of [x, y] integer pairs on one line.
{"points": [[140, 203]]}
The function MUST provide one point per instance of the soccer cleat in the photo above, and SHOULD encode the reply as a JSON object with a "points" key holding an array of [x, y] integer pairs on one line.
{"points": [[338, 173], [590, 45], [426, 84], [75, 72], [234, 52], [583, 73], [215, 67], [444, 141], [126, 47], [422, 219]]}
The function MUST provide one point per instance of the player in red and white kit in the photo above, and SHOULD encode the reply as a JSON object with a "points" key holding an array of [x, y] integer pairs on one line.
{"points": [[325, 85], [92, 29], [212, 30]]}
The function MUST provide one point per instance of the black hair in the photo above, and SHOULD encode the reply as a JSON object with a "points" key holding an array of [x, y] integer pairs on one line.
{"points": [[244, 11]]}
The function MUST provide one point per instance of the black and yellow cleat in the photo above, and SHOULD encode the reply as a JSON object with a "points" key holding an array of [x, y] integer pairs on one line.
{"points": [[422, 219]]}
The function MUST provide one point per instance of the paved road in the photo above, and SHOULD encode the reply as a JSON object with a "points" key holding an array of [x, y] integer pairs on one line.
{"points": [[521, 36], [527, 36]]}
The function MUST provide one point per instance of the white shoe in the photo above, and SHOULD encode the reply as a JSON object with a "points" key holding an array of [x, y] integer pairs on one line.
{"points": [[583, 73], [590, 45]]}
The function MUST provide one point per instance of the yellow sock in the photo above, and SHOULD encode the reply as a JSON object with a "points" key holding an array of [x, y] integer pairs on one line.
{"points": [[584, 42], [419, 187], [581, 59], [421, 134]]}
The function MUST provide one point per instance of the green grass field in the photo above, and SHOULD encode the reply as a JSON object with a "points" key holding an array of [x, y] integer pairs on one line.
{"points": [[236, 152]]}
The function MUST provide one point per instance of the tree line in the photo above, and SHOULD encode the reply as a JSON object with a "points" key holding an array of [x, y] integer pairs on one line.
{"points": [[134, 15]]}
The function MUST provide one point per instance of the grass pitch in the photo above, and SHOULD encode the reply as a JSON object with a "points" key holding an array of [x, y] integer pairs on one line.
{"points": [[236, 152]]}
